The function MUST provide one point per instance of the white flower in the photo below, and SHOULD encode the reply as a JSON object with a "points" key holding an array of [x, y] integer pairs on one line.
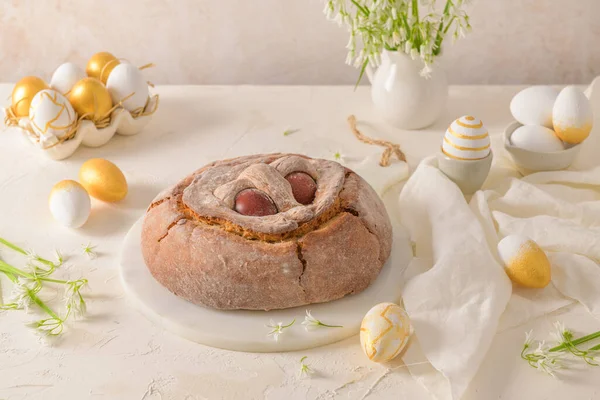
{"points": [[528, 339], [277, 329], [414, 54], [305, 369], [426, 71], [88, 250], [47, 327], [311, 322], [21, 293], [59, 257], [73, 299], [338, 156]]}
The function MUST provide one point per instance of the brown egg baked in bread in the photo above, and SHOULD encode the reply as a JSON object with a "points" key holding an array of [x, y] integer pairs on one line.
{"points": [[267, 232]]}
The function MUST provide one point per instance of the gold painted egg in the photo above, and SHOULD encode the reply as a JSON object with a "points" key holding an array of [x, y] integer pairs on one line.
{"points": [[103, 180], [23, 93], [384, 332], [525, 262], [100, 65], [572, 115], [466, 139], [69, 204], [90, 98]]}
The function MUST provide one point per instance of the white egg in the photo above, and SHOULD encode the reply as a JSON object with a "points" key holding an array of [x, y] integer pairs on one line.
{"points": [[466, 139], [524, 261], [572, 115], [66, 76], [70, 204], [536, 138], [124, 80], [384, 332], [51, 114], [533, 106]]}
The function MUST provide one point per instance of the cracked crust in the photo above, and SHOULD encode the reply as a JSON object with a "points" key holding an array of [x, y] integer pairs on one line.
{"points": [[243, 263]]}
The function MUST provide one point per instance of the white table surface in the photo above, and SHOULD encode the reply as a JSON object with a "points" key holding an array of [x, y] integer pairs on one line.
{"points": [[116, 353]]}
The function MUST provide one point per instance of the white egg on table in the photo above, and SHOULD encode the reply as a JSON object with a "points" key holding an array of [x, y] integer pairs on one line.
{"points": [[51, 114], [70, 204], [536, 138], [524, 261], [384, 332], [466, 139], [572, 115], [125, 80], [533, 106], [66, 76]]}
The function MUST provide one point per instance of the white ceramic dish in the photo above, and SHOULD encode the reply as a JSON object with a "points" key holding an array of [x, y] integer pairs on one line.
{"points": [[245, 330], [121, 123], [534, 161]]}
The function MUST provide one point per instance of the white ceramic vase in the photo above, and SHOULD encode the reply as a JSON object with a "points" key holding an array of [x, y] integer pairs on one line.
{"points": [[402, 97]]}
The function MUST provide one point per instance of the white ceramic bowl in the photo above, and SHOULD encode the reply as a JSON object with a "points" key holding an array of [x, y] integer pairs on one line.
{"points": [[534, 161]]}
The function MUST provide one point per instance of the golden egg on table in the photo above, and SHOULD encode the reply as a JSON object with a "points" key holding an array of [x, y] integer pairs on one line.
{"points": [[69, 204], [100, 66], [525, 262], [91, 99], [23, 93], [384, 332], [103, 180]]}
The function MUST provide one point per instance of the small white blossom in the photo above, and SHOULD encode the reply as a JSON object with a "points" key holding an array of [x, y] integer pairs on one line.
{"points": [[59, 257], [74, 302], [528, 338], [426, 71], [305, 369], [89, 250], [311, 322], [277, 329], [21, 293]]}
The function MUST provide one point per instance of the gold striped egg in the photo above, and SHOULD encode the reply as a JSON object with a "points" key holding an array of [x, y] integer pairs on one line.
{"points": [[384, 332], [524, 261], [466, 139]]}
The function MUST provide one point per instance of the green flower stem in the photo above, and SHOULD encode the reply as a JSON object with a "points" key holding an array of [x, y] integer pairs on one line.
{"points": [[361, 8], [43, 305], [13, 246], [440, 36], [415, 10], [595, 348], [22, 251], [329, 326], [53, 280], [576, 342], [9, 269]]}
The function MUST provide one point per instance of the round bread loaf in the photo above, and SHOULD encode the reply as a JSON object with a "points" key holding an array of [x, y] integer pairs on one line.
{"points": [[289, 254]]}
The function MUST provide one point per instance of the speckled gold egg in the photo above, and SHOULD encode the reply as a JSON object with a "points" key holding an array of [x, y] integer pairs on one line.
{"points": [[384, 332], [103, 180], [525, 262]]}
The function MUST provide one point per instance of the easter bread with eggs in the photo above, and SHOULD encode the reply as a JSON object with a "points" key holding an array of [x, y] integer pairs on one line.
{"points": [[265, 232]]}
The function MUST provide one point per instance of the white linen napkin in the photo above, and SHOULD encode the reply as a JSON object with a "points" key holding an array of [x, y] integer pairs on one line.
{"points": [[459, 296]]}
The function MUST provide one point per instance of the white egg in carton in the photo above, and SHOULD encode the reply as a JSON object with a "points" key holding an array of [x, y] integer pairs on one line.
{"points": [[87, 134]]}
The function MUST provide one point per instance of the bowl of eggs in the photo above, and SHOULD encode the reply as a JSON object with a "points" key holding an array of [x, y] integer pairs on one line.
{"points": [[549, 129]]}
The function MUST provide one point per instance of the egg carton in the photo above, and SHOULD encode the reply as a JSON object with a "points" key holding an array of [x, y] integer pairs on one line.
{"points": [[121, 122]]}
